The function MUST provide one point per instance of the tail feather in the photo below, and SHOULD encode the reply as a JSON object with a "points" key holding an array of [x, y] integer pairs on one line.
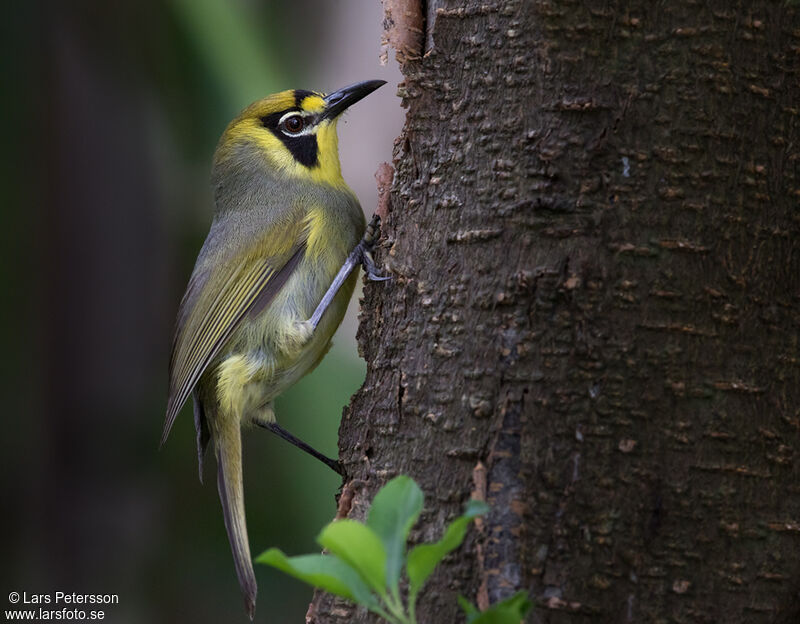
{"points": [[231, 495], [203, 435]]}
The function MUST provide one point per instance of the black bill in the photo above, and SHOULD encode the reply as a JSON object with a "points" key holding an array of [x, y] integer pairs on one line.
{"points": [[339, 100]]}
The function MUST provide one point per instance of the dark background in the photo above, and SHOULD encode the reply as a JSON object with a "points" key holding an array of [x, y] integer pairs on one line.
{"points": [[112, 111]]}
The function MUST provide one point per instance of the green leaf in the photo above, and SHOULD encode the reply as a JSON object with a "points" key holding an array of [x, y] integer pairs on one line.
{"points": [[510, 611], [360, 547], [467, 607], [424, 558], [475, 508], [394, 511], [326, 572]]}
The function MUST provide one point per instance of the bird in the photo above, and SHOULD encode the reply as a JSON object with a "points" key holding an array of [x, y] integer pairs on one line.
{"points": [[285, 225]]}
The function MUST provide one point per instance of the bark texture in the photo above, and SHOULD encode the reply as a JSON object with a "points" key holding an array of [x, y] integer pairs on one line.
{"points": [[593, 228]]}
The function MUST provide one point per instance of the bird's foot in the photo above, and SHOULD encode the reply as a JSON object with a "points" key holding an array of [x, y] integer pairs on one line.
{"points": [[371, 236], [361, 254]]}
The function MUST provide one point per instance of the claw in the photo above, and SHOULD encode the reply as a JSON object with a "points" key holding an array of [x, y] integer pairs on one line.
{"points": [[371, 236], [371, 269], [373, 231]]}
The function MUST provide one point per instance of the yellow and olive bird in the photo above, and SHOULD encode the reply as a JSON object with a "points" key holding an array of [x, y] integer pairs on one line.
{"points": [[285, 223]]}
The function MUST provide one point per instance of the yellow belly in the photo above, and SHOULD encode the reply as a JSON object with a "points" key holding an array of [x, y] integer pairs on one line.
{"points": [[268, 354]]}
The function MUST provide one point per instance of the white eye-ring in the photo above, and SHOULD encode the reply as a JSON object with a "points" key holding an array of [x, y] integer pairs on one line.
{"points": [[295, 124]]}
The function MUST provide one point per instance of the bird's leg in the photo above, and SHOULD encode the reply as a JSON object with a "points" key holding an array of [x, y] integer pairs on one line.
{"points": [[361, 254], [282, 433]]}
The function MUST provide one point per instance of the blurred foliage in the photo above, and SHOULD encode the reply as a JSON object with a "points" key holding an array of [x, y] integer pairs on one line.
{"points": [[113, 111], [222, 39]]}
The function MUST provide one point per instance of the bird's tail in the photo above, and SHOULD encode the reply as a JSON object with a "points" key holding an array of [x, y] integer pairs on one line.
{"points": [[228, 444]]}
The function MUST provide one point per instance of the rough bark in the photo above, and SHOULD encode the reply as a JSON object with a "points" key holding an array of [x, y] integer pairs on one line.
{"points": [[593, 230]]}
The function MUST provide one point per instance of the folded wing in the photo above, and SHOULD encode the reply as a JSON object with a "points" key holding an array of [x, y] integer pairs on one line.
{"points": [[229, 291]]}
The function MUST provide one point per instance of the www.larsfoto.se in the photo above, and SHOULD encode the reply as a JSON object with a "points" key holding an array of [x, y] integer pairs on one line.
{"points": [[77, 615]]}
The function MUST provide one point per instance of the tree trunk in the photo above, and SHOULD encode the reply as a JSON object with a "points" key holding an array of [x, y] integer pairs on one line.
{"points": [[594, 315]]}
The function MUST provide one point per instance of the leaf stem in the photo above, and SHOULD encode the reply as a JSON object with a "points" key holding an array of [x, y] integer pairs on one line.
{"points": [[395, 606], [389, 618], [412, 608]]}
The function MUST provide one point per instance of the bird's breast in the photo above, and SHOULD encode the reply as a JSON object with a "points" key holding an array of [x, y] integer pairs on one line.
{"points": [[272, 350]]}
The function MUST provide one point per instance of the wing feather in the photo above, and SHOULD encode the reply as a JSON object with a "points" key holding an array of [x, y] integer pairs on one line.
{"points": [[204, 329]]}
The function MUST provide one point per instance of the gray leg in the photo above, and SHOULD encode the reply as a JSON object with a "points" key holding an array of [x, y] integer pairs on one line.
{"points": [[282, 433], [362, 254]]}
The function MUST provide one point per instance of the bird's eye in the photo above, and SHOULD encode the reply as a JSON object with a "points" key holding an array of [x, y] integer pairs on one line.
{"points": [[293, 124]]}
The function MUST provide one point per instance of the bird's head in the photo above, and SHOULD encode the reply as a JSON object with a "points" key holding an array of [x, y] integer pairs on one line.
{"points": [[291, 133]]}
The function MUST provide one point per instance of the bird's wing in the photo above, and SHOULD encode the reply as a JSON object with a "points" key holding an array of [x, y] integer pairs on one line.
{"points": [[230, 289]]}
